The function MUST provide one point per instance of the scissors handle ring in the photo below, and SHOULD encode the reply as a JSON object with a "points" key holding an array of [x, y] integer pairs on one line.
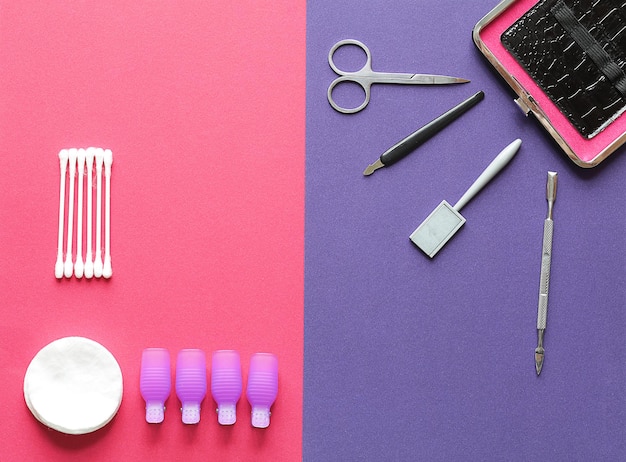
{"points": [[336, 46], [333, 103], [357, 77]]}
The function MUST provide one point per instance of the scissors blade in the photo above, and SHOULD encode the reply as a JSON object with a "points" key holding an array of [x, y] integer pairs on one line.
{"points": [[408, 79], [428, 79]]}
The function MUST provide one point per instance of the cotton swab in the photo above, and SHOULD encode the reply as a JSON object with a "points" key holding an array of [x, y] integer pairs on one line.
{"points": [[89, 155], [69, 265], [79, 266], [94, 264], [107, 271], [97, 264], [58, 267]]}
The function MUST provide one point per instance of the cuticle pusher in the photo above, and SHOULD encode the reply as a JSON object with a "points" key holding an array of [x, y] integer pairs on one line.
{"points": [[404, 147], [546, 259]]}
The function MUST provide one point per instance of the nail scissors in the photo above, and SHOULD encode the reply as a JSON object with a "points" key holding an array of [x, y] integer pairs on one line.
{"points": [[365, 77]]}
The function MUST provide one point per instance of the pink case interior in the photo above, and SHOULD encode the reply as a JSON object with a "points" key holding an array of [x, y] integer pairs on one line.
{"points": [[585, 149]]}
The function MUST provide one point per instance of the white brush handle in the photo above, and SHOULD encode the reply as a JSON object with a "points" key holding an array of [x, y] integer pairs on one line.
{"points": [[58, 267], [492, 169]]}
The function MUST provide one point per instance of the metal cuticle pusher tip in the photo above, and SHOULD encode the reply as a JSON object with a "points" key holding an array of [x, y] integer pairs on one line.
{"points": [[373, 167], [539, 353]]}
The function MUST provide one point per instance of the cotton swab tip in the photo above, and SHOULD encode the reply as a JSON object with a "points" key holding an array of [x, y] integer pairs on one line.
{"points": [[72, 154], [107, 270], [68, 268], [79, 268], [64, 155], [90, 153], [98, 266], [58, 268], [88, 273]]}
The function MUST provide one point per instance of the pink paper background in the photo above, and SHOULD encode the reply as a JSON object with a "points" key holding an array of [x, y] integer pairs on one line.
{"points": [[202, 104]]}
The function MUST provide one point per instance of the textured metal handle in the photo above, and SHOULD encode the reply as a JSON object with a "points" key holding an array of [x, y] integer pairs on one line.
{"points": [[544, 284]]}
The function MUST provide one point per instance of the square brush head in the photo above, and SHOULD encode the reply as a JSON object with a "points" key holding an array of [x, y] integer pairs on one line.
{"points": [[437, 229]]}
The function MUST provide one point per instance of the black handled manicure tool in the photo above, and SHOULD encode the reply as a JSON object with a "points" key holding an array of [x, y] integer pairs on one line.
{"points": [[415, 139]]}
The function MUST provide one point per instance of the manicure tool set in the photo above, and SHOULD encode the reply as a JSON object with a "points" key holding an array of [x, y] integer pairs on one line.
{"points": [[445, 220], [83, 250], [439, 227], [75, 165]]}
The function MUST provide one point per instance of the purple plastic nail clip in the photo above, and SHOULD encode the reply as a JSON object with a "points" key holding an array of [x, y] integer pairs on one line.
{"points": [[226, 384], [191, 383], [262, 387], [155, 382]]}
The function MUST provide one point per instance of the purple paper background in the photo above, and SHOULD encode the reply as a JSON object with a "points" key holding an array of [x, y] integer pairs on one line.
{"points": [[408, 358]]}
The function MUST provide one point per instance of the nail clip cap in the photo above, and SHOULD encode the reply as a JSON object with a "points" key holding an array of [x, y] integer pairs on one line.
{"points": [[262, 387], [191, 383], [226, 384], [155, 382]]}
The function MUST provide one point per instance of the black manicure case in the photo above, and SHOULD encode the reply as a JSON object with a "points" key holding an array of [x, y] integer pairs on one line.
{"points": [[566, 62]]}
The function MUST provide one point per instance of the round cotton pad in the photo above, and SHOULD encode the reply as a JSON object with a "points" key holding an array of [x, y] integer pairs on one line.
{"points": [[73, 385]]}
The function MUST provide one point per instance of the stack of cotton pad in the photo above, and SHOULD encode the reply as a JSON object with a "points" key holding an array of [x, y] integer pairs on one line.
{"points": [[73, 385]]}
